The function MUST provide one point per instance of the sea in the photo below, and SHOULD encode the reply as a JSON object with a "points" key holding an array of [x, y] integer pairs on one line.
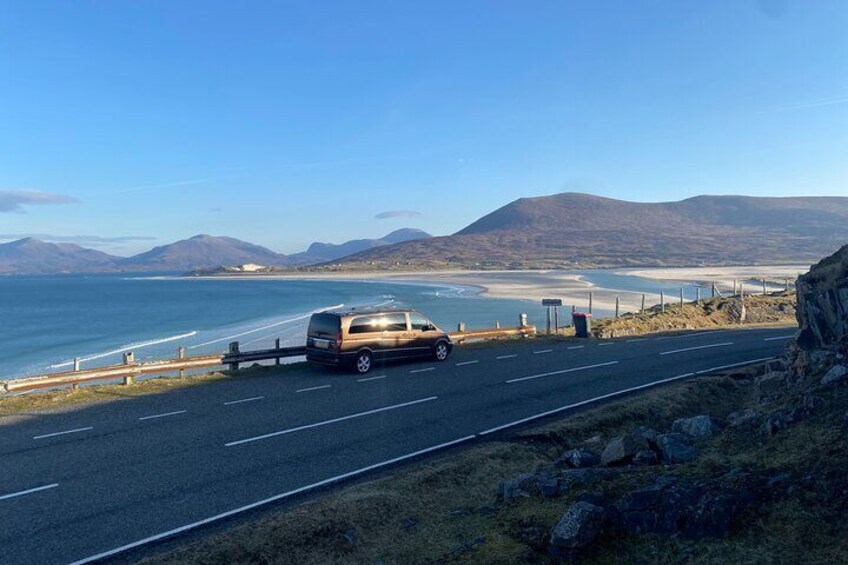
{"points": [[47, 321]]}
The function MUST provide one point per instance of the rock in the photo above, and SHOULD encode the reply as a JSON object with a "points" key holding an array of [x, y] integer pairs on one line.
{"points": [[675, 448], [578, 458], [593, 497], [771, 384], [822, 310], [741, 417], [620, 450], [837, 374], [698, 427], [518, 487], [646, 457], [578, 527], [712, 515], [649, 434]]}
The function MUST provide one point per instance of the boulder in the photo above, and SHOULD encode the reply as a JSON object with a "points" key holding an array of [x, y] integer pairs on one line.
{"points": [[579, 458], [741, 417], [621, 449], [838, 373], [519, 486], [578, 527], [822, 310], [646, 457], [698, 427], [675, 448]]}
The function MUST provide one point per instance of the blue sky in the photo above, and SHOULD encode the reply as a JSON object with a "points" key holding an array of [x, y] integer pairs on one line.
{"points": [[287, 122]]}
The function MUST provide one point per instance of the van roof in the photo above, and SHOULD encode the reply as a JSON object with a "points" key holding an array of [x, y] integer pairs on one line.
{"points": [[368, 310]]}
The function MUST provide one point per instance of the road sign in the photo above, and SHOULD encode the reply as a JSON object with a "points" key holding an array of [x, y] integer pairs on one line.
{"points": [[551, 302]]}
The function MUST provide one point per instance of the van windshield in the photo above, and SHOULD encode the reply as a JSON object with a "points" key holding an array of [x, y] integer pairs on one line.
{"points": [[324, 325]]}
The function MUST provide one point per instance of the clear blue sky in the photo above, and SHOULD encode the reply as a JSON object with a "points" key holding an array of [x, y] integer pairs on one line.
{"points": [[286, 122]]}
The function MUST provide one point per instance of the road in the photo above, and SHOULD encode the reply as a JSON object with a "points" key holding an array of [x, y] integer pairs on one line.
{"points": [[92, 482]]}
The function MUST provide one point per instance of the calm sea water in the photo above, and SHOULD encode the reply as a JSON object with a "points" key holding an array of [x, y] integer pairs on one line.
{"points": [[46, 321]]}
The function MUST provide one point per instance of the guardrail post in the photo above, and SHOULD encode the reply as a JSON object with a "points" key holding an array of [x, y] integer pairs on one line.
{"points": [[129, 359], [181, 355], [234, 350], [497, 325], [681, 297], [698, 295], [277, 345], [460, 327], [713, 290], [662, 301], [643, 304], [522, 320], [590, 302], [76, 364]]}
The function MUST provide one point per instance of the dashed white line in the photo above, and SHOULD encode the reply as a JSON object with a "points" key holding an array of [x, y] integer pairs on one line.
{"points": [[542, 351], [779, 337], [422, 370], [506, 356], [639, 339], [577, 347], [371, 379], [313, 388], [751, 362], [605, 344], [561, 372], [332, 421], [464, 363], [42, 436], [28, 491], [163, 415], [673, 351], [243, 400]]}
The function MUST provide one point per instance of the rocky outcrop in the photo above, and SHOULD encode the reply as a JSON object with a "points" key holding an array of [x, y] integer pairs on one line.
{"points": [[698, 427], [577, 528], [621, 449], [822, 311]]}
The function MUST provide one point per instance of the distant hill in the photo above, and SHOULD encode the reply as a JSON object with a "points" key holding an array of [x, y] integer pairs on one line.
{"points": [[202, 252], [326, 252], [581, 230], [33, 256]]}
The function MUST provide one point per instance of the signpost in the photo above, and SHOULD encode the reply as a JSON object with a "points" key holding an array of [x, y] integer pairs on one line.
{"points": [[553, 305]]}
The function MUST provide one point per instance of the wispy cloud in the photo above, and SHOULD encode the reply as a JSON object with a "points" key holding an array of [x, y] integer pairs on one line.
{"points": [[16, 200], [88, 240], [811, 104], [397, 214]]}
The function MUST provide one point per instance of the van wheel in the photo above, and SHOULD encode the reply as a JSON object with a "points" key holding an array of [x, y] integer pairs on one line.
{"points": [[363, 362], [440, 352]]}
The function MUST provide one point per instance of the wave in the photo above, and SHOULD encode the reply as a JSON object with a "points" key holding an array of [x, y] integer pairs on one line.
{"points": [[125, 348]]}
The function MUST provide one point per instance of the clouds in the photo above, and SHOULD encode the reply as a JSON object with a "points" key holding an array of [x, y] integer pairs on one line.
{"points": [[397, 214], [17, 200]]}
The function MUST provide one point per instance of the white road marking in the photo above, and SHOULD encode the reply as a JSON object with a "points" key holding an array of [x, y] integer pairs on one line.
{"points": [[725, 344], [42, 436], [506, 356], [313, 388], [581, 403], [605, 344], [371, 378], [752, 361], [779, 337], [542, 351], [561, 372], [696, 334], [467, 363], [422, 370], [639, 339], [164, 415], [577, 347], [28, 491], [243, 400], [332, 421], [313, 486]]}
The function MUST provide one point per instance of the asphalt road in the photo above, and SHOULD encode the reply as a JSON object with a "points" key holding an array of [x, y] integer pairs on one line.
{"points": [[87, 483]]}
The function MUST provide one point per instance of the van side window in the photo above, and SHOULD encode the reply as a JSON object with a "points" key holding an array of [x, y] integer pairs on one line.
{"points": [[365, 325], [395, 322], [419, 322]]}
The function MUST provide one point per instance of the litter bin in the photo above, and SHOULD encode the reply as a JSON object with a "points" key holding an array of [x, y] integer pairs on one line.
{"points": [[582, 323]]}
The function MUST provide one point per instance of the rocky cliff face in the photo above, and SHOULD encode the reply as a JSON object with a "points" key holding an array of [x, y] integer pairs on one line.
{"points": [[823, 304]]}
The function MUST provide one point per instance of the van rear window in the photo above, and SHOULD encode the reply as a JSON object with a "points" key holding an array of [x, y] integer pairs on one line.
{"points": [[324, 324]]}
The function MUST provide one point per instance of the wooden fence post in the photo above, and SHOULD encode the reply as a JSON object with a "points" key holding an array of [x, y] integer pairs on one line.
{"points": [[234, 350], [713, 290], [76, 364], [129, 359], [617, 304], [460, 327], [590, 302], [681, 297], [181, 355], [643, 303], [662, 302], [764, 287], [698, 295]]}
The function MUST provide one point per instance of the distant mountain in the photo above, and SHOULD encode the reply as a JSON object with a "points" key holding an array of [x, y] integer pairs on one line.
{"points": [[326, 252], [32, 256], [573, 229], [202, 252]]}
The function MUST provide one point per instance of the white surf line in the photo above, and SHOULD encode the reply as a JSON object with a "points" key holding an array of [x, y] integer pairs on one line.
{"points": [[163, 415], [506, 356], [243, 400], [275, 498], [313, 388], [263, 328], [327, 422], [582, 403], [779, 337], [464, 363], [422, 370], [577, 347], [28, 491], [673, 351], [42, 436], [752, 361], [124, 348], [371, 379], [542, 351], [561, 372]]}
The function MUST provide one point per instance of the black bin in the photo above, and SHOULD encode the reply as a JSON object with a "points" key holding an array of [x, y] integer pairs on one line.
{"points": [[582, 323]]}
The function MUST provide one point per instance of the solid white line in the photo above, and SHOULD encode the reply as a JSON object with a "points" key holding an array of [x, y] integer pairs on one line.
{"points": [[582, 403], [326, 422], [422, 370], [562, 372], [28, 491], [63, 433], [542, 351], [779, 337], [506, 356], [162, 415], [726, 343], [313, 388], [696, 334], [275, 498], [243, 400], [467, 363], [577, 347], [371, 378], [752, 361]]}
